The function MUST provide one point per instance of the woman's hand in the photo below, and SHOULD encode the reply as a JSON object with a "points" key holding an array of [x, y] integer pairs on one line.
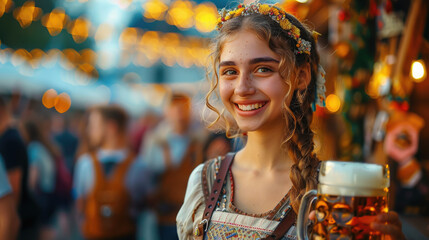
{"points": [[389, 224]]}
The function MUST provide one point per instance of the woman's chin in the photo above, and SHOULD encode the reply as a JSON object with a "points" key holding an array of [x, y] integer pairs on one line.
{"points": [[248, 128]]}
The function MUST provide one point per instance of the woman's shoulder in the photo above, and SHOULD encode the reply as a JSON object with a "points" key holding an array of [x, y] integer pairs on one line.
{"points": [[200, 181], [203, 176]]}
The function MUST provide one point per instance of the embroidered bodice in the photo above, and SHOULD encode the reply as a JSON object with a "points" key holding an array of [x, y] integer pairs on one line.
{"points": [[227, 221]]}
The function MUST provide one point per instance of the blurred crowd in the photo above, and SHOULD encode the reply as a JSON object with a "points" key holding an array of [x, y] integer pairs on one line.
{"points": [[98, 173]]}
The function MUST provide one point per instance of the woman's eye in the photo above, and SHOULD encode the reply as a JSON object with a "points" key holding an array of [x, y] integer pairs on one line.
{"points": [[229, 72], [263, 70]]}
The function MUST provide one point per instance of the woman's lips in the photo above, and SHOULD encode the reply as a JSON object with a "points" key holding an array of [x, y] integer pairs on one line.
{"points": [[248, 109]]}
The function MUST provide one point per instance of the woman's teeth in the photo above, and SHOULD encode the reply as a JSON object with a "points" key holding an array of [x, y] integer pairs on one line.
{"points": [[250, 107]]}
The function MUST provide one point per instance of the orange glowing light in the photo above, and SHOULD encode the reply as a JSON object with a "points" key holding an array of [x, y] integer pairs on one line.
{"points": [[88, 69], [171, 43], [79, 29], [128, 37], [342, 49], [181, 14], [55, 21], [36, 57], [88, 55], [19, 56], [333, 103], [206, 17], [72, 55], [62, 103], [150, 46], [49, 97], [26, 14], [5, 6], [154, 9]]}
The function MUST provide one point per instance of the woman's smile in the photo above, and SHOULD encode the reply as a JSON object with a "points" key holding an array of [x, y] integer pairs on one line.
{"points": [[250, 109]]}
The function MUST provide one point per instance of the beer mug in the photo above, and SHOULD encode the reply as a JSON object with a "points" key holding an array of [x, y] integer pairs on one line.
{"points": [[348, 198]]}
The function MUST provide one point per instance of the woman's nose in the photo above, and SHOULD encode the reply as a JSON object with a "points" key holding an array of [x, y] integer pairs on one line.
{"points": [[244, 85]]}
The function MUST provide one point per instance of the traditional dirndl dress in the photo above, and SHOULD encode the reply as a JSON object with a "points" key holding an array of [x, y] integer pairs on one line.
{"points": [[227, 222]]}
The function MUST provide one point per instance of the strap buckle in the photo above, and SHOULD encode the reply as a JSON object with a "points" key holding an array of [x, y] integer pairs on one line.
{"points": [[200, 229], [205, 222]]}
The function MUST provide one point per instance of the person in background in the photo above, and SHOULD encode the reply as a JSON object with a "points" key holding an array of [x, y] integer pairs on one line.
{"points": [[107, 180], [42, 174], [14, 153], [173, 151], [9, 220], [217, 144], [143, 126], [65, 138]]}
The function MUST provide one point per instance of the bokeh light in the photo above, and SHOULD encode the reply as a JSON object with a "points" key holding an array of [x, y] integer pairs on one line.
{"points": [[128, 38], [418, 70], [5, 6], [333, 103], [20, 56], [79, 29], [205, 17], [27, 13], [55, 21], [49, 97], [170, 43], [149, 48], [181, 14], [62, 103], [36, 57], [154, 9]]}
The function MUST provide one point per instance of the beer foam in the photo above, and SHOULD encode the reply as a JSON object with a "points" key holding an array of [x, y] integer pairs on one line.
{"points": [[352, 179]]}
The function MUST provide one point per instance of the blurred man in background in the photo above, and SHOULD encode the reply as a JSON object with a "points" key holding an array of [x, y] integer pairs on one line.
{"points": [[107, 180], [173, 151], [9, 220], [14, 153]]}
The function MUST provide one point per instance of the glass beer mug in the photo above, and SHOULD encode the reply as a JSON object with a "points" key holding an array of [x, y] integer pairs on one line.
{"points": [[348, 198]]}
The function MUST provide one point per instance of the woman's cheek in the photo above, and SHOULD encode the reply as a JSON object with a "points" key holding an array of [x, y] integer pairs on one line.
{"points": [[225, 91]]}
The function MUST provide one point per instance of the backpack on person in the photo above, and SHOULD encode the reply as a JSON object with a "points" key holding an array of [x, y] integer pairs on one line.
{"points": [[63, 183], [173, 182], [107, 206]]}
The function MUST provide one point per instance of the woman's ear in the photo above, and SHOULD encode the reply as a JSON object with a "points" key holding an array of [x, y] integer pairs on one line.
{"points": [[304, 76]]}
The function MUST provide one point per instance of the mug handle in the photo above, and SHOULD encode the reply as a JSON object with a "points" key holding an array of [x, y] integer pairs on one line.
{"points": [[303, 212]]}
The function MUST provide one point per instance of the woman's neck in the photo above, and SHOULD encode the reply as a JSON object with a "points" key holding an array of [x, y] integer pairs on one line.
{"points": [[114, 143], [264, 152]]}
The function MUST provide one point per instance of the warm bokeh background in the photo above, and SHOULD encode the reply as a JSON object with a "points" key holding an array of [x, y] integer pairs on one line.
{"points": [[58, 58]]}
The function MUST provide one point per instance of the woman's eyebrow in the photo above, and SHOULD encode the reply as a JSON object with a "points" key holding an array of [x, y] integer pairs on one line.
{"points": [[263, 59], [252, 61], [226, 63]]}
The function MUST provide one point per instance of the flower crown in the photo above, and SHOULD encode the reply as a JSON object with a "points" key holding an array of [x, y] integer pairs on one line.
{"points": [[276, 13]]}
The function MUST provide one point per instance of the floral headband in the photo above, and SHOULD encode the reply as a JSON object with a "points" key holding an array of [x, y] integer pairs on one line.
{"points": [[276, 13]]}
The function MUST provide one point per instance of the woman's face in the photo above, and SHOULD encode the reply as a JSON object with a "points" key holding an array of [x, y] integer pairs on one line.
{"points": [[250, 85]]}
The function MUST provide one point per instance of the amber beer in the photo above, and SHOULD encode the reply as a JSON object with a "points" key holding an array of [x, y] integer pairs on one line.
{"points": [[349, 197]]}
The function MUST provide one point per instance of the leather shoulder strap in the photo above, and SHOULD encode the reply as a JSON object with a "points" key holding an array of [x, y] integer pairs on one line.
{"points": [[214, 196], [122, 168], [283, 226], [166, 154], [205, 182], [98, 170]]}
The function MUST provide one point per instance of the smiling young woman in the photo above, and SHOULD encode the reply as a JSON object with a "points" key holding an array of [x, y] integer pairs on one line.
{"points": [[266, 71]]}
